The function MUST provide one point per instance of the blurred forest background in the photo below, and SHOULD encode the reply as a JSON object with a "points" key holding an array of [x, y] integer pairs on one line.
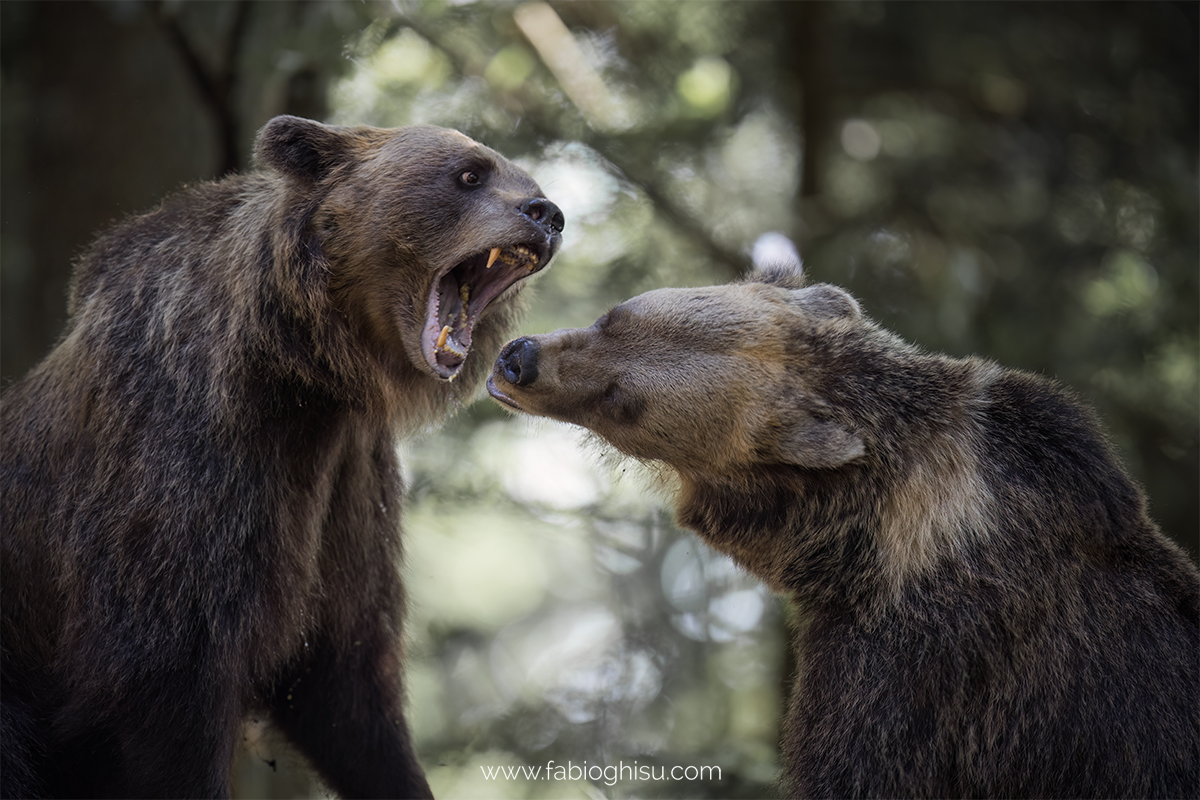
{"points": [[1013, 180]]}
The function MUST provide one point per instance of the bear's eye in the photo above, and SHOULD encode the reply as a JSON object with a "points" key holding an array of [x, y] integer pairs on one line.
{"points": [[621, 406], [612, 395], [610, 322], [469, 178]]}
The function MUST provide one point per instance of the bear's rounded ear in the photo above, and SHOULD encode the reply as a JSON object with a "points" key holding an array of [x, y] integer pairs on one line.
{"points": [[828, 301], [300, 147], [817, 443]]}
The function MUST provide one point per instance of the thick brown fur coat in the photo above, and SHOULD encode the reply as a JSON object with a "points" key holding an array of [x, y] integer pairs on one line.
{"points": [[985, 607], [201, 493]]}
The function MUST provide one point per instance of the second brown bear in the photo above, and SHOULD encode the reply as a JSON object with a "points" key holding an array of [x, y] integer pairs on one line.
{"points": [[986, 608]]}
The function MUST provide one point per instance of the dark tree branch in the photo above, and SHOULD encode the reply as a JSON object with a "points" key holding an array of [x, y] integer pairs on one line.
{"points": [[215, 85], [809, 66]]}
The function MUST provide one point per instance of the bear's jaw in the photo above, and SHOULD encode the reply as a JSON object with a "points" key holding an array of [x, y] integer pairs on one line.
{"points": [[460, 295]]}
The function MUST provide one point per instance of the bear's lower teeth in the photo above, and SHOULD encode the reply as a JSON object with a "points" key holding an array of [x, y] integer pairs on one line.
{"points": [[450, 353], [446, 343]]}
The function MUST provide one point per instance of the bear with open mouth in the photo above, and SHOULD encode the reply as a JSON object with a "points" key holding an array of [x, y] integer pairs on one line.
{"points": [[200, 492]]}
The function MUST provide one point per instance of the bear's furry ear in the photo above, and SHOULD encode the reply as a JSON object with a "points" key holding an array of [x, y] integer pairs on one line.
{"points": [[817, 443], [826, 300], [300, 147]]}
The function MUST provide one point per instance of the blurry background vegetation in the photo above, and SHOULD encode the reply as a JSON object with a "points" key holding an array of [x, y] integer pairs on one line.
{"points": [[1013, 180]]}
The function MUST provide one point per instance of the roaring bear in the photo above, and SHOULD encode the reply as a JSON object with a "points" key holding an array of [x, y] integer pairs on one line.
{"points": [[201, 493], [986, 610]]}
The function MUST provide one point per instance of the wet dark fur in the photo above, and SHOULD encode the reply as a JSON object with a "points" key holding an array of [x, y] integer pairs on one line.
{"points": [[984, 607], [201, 493]]}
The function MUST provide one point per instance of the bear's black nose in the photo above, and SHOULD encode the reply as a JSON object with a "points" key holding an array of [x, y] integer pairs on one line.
{"points": [[518, 362], [542, 211]]}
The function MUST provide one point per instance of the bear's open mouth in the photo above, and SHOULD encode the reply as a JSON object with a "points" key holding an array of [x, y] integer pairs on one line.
{"points": [[460, 295]]}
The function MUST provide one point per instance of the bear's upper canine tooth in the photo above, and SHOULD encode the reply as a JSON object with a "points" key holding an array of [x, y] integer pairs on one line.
{"points": [[492, 256]]}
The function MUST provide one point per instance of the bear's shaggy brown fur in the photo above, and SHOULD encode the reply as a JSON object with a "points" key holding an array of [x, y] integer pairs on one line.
{"points": [[201, 494], [986, 608]]}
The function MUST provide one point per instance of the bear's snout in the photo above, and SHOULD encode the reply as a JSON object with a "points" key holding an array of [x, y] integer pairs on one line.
{"points": [[544, 213], [518, 361]]}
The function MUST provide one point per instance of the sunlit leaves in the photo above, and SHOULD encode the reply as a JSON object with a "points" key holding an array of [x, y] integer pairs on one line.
{"points": [[707, 87]]}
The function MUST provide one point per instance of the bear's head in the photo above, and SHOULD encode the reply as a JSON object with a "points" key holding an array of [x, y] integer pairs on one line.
{"points": [[781, 408], [709, 381], [420, 237]]}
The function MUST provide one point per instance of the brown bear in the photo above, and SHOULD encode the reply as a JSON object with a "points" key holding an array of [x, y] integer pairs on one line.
{"points": [[201, 494], [985, 608]]}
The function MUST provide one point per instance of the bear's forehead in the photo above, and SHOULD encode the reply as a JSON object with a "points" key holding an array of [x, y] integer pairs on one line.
{"points": [[433, 143], [427, 147], [717, 305], [711, 319], [438, 136]]}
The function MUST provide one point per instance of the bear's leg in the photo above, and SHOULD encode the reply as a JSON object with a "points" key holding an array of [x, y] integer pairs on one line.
{"points": [[21, 747], [159, 746], [342, 706], [161, 741], [181, 765]]}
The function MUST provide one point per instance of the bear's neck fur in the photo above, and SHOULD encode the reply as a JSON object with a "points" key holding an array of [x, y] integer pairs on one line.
{"points": [[775, 522], [863, 529], [965, 452]]}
